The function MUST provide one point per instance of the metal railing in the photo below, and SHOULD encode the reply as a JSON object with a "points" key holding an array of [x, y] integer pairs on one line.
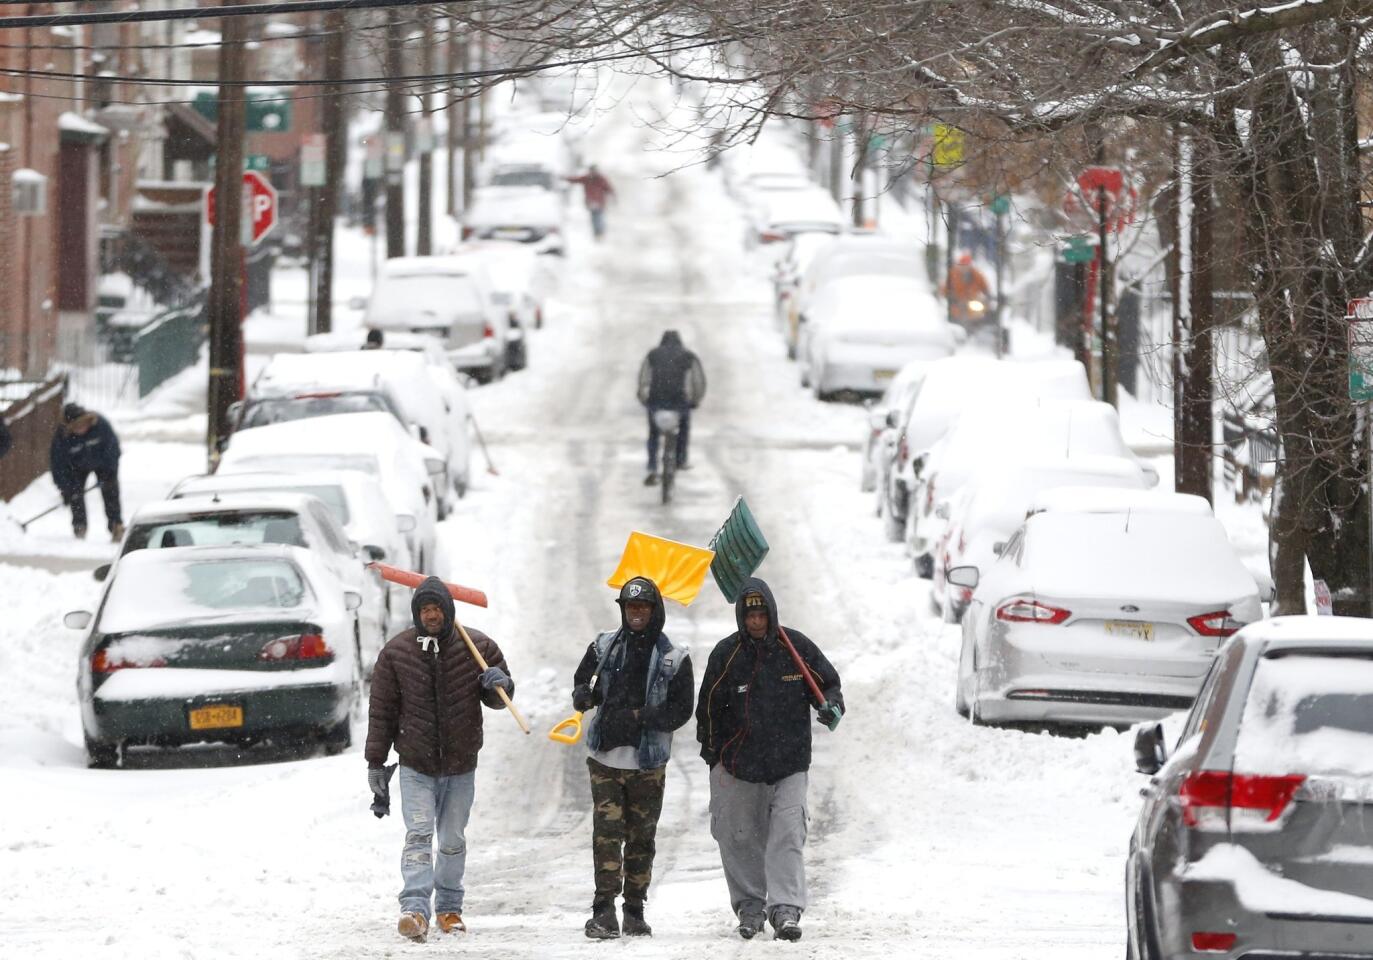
{"points": [[32, 410], [169, 344]]}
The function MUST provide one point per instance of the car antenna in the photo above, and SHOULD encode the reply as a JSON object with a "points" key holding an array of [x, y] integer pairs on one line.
{"points": [[1128, 512]]}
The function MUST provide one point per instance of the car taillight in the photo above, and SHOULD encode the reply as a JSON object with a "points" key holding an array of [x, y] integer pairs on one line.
{"points": [[1027, 610], [487, 331], [929, 494], [1249, 801], [1218, 624], [469, 232], [771, 236], [1213, 942], [903, 450], [307, 646], [102, 662], [538, 316]]}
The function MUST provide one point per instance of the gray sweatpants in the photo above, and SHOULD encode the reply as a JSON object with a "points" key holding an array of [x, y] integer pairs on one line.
{"points": [[761, 830]]}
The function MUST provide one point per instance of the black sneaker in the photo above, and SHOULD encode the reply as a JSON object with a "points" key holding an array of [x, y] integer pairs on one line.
{"points": [[603, 925], [635, 925], [750, 925], [786, 924], [651, 480]]}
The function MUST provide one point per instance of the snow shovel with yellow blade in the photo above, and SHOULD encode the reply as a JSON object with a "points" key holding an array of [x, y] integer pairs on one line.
{"points": [[678, 569]]}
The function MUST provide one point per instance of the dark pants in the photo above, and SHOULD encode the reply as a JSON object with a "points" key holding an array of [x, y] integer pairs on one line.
{"points": [[624, 823], [683, 435], [109, 492]]}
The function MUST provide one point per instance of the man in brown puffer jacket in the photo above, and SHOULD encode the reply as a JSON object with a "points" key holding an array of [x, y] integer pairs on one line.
{"points": [[427, 695]]}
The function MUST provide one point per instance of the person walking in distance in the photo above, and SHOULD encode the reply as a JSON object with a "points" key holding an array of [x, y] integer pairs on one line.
{"points": [[967, 291], [753, 723], [596, 192], [670, 378], [84, 444], [426, 700], [640, 684]]}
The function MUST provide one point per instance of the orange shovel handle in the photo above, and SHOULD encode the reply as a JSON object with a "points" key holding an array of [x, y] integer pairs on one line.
{"points": [[411, 579], [569, 731]]}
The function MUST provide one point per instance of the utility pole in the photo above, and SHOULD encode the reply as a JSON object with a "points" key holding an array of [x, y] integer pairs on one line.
{"points": [[325, 209], [395, 139], [1193, 414], [451, 113], [469, 162], [225, 304], [424, 234]]}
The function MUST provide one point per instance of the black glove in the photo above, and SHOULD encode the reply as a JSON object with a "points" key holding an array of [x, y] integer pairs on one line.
{"points": [[379, 782], [830, 713], [584, 698]]}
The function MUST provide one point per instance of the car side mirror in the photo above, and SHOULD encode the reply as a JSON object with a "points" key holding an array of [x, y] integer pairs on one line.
{"points": [[942, 511], [1150, 474], [101, 572], [352, 599], [1150, 753], [77, 620], [999, 548], [405, 522], [357, 303], [918, 464], [435, 466], [375, 552], [890, 419], [966, 577], [235, 409], [877, 419]]}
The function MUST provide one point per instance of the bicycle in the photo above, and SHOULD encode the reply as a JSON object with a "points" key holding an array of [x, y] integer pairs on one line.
{"points": [[668, 423]]}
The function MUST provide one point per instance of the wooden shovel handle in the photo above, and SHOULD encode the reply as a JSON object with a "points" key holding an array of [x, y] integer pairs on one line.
{"points": [[481, 662], [801, 665]]}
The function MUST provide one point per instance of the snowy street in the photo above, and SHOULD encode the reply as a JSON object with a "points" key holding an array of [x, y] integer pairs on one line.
{"points": [[928, 837]]}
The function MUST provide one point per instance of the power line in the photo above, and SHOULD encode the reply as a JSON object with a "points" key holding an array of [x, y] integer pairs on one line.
{"points": [[212, 13]]}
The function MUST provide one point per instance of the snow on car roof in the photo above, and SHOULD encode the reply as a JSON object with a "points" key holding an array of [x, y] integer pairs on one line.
{"points": [[356, 368], [1075, 499], [1309, 631], [340, 341], [812, 205], [1015, 491], [219, 503], [877, 300], [422, 267], [1031, 427], [337, 433]]}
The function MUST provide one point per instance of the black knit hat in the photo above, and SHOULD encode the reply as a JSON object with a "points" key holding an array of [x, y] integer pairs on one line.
{"points": [[72, 411]]}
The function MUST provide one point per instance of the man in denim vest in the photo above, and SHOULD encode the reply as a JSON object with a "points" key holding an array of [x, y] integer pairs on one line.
{"points": [[640, 684]]}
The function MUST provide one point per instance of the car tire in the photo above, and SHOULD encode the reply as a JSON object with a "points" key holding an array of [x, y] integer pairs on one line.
{"points": [[791, 351], [892, 527], [460, 485], [338, 738], [103, 756]]}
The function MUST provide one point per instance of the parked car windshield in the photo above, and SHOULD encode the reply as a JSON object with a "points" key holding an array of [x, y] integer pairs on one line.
{"points": [[260, 413], [523, 178], [1308, 714], [175, 592], [274, 526]]}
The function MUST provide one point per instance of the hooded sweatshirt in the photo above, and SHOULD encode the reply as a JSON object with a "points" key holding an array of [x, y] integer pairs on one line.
{"points": [[72, 456], [426, 695], [754, 710], [630, 713], [671, 376]]}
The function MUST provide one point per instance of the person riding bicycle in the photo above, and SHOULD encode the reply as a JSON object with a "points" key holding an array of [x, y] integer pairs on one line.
{"points": [[968, 292], [670, 378]]}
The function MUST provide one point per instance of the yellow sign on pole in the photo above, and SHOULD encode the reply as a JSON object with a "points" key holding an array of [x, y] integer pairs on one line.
{"points": [[948, 145]]}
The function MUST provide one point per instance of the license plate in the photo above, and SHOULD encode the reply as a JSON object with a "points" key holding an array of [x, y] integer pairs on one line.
{"points": [[1130, 628], [216, 716], [510, 233], [882, 375]]}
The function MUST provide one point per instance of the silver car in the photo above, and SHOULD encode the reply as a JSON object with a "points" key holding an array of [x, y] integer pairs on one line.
{"points": [[1256, 835], [1099, 618]]}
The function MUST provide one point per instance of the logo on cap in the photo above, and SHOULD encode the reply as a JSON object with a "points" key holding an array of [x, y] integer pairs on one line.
{"points": [[635, 589], [754, 600]]}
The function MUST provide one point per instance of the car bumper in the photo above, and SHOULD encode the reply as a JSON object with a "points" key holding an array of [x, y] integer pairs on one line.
{"points": [[476, 357], [301, 708], [1060, 696]]}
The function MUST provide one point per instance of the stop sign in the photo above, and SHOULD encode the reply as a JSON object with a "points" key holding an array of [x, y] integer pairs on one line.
{"points": [[259, 200]]}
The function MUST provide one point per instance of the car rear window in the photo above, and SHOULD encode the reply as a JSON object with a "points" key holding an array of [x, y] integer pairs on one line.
{"points": [[199, 589], [1308, 714], [333, 496], [261, 413], [224, 529]]}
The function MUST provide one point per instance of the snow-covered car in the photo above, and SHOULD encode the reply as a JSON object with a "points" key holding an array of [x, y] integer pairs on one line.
{"points": [[373, 443], [521, 280], [234, 644], [988, 510], [447, 298], [949, 387], [1099, 618], [996, 437], [861, 330], [786, 277], [536, 176], [1255, 838], [312, 400], [354, 499], [529, 215], [403, 374], [781, 214], [881, 432], [853, 255], [245, 518]]}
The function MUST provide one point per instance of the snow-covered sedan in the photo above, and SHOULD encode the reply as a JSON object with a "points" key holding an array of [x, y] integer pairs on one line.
{"points": [[881, 433], [861, 330], [1099, 618], [217, 644], [520, 214]]}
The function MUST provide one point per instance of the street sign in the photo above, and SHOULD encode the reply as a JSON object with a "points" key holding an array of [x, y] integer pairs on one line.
{"points": [[948, 145], [1079, 250], [1001, 203], [266, 109], [313, 147], [1359, 319], [257, 161], [260, 203], [1101, 192], [1324, 606]]}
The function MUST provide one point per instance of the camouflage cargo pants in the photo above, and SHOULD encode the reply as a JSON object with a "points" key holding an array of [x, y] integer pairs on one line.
{"points": [[624, 822]]}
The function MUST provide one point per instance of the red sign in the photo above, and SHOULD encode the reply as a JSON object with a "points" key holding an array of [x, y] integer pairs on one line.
{"points": [[259, 198], [1101, 192]]}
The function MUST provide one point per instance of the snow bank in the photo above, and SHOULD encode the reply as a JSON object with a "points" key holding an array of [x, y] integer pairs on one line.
{"points": [[1261, 891]]}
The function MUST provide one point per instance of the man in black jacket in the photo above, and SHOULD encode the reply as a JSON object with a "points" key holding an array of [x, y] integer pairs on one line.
{"points": [[753, 723], [85, 443], [670, 378], [640, 684]]}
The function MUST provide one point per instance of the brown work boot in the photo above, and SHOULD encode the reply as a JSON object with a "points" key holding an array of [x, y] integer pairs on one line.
{"points": [[413, 926], [451, 923], [79, 533], [117, 532]]}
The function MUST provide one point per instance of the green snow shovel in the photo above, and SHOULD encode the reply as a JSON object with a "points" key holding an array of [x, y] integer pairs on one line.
{"points": [[740, 547]]}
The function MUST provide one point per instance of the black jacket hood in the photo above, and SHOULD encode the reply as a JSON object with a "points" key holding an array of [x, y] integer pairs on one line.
{"points": [[432, 590], [755, 585], [672, 340], [654, 629]]}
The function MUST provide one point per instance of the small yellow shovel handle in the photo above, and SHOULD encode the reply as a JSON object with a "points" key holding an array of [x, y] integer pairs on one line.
{"points": [[569, 731]]}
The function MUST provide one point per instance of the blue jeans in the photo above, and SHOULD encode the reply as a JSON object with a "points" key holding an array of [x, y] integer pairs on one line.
{"points": [[683, 437], [434, 805], [597, 221]]}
